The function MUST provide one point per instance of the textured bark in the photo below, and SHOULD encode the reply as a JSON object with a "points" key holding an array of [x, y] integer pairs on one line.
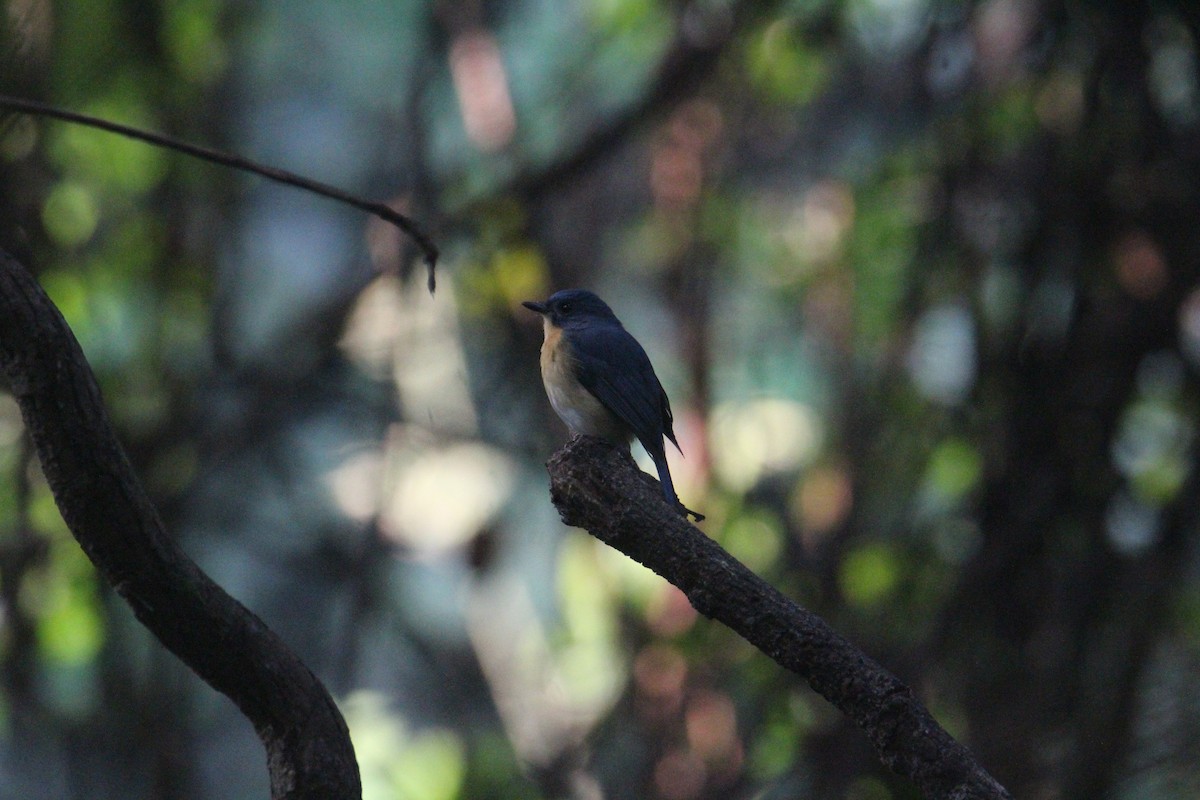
{"points": [[309, 754], [596, 486]]}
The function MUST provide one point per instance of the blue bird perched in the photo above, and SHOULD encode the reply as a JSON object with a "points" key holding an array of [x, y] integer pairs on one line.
{"points": [[600, 381]]}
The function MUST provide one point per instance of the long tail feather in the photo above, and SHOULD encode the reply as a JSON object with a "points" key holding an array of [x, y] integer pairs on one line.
{"points": [[668, 486]]}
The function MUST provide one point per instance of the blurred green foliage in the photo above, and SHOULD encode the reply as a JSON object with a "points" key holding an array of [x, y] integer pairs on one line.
{"points": [[920, 278]]}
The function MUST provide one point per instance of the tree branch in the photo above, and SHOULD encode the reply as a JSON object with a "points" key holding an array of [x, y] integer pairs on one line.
{"points": [[309, 755], [381, 210], [596, 486]]}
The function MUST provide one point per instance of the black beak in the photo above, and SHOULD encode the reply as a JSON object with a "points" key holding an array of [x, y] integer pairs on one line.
{"points": [[538, 307]]}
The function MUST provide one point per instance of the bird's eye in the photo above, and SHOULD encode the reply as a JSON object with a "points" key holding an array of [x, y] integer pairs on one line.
{"points": [[564, 308]]}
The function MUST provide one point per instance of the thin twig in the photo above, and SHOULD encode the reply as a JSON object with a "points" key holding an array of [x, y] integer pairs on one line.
{"points": [[381, 210]]}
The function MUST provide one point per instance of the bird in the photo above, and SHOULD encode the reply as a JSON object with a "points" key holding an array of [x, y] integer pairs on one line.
{"points": [[600, 381]]}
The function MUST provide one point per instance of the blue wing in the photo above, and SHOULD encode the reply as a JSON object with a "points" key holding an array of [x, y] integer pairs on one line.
{"points": [[614, 367], [616, 370]]}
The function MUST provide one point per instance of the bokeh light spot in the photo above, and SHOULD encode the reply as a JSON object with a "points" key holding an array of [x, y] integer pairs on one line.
{"points": [[1141, 268], [481, 84], [868, 575], [711, 724], [822, 501], [1132, 525], [758, 437], [942, 357], [70, 214], [680, 775], [442, 496], [355, 484], [955, 468]]}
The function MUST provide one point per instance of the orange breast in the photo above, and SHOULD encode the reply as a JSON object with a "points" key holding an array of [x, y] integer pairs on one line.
{"points": [[550, 343], [574, 404]]}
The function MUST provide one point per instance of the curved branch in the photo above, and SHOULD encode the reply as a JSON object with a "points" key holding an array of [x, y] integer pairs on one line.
{"points": [[383, 211], [596, 486], [309, 754]]}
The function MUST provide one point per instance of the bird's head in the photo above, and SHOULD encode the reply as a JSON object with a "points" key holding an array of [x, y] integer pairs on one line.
{"points": [[573, 308]]}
